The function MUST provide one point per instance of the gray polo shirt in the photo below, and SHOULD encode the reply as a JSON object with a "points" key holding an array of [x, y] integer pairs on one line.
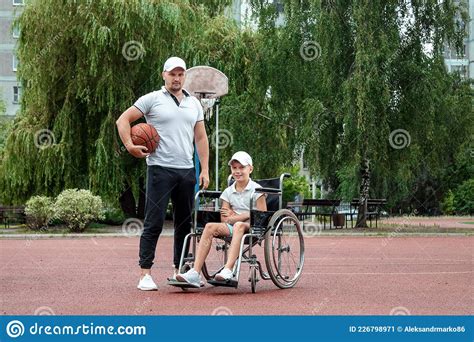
{"points": [[175, 125], [240, 201]]}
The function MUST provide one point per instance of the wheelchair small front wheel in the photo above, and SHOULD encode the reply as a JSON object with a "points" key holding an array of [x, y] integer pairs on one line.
{"points": [[284, 249], [253, 278]]}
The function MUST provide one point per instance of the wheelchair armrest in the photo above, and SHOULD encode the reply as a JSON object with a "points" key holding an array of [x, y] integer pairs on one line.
{"points": [[209, 194], [268, 190]]}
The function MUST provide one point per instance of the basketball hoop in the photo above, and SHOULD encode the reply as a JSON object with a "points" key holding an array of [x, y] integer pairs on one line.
{"points": [[208, 85]]}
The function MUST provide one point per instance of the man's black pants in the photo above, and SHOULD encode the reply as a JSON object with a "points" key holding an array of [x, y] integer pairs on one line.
{"points": [[162, 184]]}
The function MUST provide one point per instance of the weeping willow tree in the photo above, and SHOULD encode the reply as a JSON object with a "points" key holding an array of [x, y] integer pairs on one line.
{"points": [[396, 96], [82, 64], [372, 108]]}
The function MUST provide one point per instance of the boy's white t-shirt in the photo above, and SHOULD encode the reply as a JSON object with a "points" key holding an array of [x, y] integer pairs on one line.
{"points": [[240, 201]]}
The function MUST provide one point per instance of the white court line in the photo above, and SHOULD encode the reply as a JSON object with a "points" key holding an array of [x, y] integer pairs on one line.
{"points": [[95, 242], [385, 273], [391, 259]]}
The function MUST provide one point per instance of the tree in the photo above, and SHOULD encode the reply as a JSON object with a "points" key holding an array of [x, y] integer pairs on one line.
{"points": [[81, 69], [376, 105]]}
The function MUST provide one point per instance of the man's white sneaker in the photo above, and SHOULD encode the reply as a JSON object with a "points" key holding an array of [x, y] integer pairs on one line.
{"points": [[223, 275], [147, 283]]}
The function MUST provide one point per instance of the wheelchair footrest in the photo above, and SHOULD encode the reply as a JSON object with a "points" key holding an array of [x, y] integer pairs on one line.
{"points": [[182, 284], [225, 283]]}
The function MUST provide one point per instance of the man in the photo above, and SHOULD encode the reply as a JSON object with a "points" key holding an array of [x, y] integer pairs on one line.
{"points": [[178, 118]]}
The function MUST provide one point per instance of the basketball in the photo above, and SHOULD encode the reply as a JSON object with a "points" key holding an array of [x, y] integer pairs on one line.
{"points": [[145, 135]]}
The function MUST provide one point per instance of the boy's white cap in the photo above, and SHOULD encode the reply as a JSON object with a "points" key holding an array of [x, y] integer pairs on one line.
{"points": [[174, 62], [242, 157]]}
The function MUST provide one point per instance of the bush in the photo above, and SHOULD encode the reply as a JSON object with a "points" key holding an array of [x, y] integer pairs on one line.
{"points": [[77, 208], [295, 186], [39, 210], [114, 216], [464, 198], [447, 205]]}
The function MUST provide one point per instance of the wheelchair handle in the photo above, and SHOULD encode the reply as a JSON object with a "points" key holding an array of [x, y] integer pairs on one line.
{"points": [[268, 190], [209, 193]]}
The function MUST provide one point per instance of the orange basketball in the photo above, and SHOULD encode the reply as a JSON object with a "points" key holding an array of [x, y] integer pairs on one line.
{"points": [[145, 135]]}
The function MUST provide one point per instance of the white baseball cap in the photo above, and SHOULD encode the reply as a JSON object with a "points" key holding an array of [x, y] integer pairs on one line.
{"points": [[242, 157], [174, 62]]}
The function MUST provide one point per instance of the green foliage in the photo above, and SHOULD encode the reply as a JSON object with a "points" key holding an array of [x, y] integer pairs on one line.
{"points": [[77, 208], [447, 206], [295, 187], [39, 210], [82, 68], [371, 76], [464, 198], [5, 127], [113, 216]]}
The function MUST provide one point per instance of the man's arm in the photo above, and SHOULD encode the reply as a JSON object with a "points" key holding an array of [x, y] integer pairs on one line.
{"points": [[202, 145], [123, 126]]}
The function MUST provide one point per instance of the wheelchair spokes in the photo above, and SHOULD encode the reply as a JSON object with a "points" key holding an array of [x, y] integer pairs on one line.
{"points": [[284, 249]]}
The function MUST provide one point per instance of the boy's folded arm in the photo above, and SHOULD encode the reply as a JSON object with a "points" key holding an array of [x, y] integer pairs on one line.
{"points": [[245, 216]]}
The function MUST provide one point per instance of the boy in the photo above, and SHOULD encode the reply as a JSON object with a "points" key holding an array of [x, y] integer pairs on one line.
{"points": [[235, 219]]}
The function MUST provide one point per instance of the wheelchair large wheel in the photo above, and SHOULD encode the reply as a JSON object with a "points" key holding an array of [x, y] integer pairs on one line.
{"points": [[216, 258], [284, 249]]}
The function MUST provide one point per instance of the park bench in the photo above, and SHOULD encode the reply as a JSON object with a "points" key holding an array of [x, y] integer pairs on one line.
{"points": [[10, 214], [374, 209], [321, 208]]}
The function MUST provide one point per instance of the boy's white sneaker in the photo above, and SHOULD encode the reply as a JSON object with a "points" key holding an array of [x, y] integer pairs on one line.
{"points": [[223, 275], [147, 283], [191, 277]]}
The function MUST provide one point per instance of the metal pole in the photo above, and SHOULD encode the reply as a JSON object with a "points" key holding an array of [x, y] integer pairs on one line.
{"points": [[217, 145]]}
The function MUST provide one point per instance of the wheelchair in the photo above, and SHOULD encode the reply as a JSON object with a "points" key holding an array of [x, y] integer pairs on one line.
{"points": [[277, 228]]}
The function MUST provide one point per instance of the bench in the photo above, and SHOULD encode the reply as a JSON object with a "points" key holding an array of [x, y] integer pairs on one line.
{"points": [[9, 214], [322, 208], [374, 207]]}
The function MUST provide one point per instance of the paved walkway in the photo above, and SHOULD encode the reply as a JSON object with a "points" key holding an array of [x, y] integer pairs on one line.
{"points": [[342, 276]]}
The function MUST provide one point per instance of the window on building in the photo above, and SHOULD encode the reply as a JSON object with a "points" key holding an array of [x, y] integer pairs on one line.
{"points": [[15, 63], [16, 31], [18, 2], [461, 69], [16, 94]]}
